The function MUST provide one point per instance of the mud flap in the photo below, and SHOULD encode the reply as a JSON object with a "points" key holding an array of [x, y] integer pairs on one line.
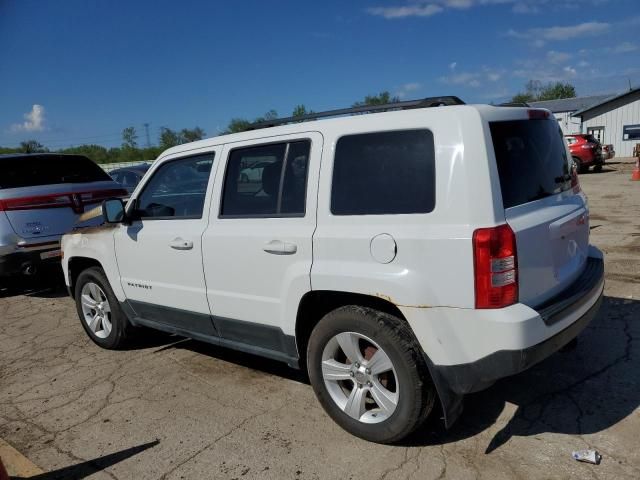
{"points": [[452, 403]]}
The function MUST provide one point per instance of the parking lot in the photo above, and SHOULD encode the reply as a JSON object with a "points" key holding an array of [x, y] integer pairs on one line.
{"points": [[175, 408]]}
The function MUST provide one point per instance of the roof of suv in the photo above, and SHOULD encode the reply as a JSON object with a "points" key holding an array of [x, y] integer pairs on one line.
{"points": [[489, 111]]}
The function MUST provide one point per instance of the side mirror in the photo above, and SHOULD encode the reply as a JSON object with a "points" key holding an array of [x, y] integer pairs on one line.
{"points": [[113, 210]]}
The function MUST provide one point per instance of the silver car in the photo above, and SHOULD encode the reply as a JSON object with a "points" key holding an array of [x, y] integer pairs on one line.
{"points": [[42, 196]]}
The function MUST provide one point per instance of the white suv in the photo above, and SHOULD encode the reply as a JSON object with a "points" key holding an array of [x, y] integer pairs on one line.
{"points": [[400, 257]]}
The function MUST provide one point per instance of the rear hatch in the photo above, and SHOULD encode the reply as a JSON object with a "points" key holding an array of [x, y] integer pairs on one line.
{"points": [[543, 205], [44, 195]]}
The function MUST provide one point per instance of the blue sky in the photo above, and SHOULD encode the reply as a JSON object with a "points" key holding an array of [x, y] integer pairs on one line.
{"points": [[79, 71]]}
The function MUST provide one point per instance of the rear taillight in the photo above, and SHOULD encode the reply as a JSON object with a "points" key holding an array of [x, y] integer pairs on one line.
{"points": [[74, 200], [496, 267], [575, 182]]}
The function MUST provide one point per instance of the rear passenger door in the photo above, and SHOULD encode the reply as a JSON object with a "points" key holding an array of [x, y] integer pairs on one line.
{"points": [[257, 247]]}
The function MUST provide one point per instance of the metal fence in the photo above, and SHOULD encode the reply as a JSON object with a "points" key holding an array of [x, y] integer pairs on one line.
{"points": [[107, 167]]}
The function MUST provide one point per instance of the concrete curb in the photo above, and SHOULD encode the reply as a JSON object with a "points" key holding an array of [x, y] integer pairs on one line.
{"points": [[17, 464]]}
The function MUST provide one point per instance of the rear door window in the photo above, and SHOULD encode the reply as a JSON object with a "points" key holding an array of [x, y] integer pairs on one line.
{"points": [[531, 159], [33, 170], [384, 173], [266, 180]]}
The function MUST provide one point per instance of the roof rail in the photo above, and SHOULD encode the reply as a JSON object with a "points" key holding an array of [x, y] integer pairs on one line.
{"points": [[410, 104], [514, 104]]}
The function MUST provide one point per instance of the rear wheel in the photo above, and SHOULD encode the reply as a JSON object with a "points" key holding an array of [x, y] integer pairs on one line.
{"points": [[368, 373], [99, 310], [579, 166], [597, 168]]}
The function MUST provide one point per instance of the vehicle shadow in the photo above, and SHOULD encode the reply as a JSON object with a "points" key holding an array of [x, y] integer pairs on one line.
{"points": [[582, 391], [47, 284], [90, 467], [254, 362]]}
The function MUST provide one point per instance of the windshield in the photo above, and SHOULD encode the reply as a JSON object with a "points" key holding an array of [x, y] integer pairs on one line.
{"points": [[32, 170], [531, 159]]}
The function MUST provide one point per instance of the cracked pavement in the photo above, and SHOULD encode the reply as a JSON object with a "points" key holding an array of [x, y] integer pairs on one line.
{"points": [[172, 408]]}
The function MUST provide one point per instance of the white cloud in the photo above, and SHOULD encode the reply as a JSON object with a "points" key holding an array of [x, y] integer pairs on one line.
{"points": [[583, 64], [473, 79], [539, 36], [407, 88], [405, 11], [570, 71], [34, 121], [427, 8], [557, 57], [625, 47], [522, 7], [466, 79]]}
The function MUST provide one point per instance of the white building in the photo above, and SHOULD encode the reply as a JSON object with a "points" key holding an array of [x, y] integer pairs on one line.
{"points": [[612, 119], [563, 108], [615, 120]]}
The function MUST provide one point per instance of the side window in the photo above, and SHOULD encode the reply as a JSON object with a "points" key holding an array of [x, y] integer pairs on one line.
{"points": [[266, 180], [177, 189], [384, 173]]}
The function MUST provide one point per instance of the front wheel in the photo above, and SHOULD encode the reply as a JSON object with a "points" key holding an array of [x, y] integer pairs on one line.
{"points": [[597, 168], [369, 374], [99, 310]]}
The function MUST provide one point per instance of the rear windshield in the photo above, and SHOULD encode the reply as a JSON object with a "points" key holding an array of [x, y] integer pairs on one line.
{"points": [[531, 158], [32, 170]]}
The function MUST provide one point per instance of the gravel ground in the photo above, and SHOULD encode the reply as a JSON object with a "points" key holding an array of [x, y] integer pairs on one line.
{"points": [[174, 408]]}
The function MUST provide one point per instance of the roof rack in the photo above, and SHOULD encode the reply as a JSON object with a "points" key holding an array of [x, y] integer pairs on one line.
{"points": [[407, 105]]}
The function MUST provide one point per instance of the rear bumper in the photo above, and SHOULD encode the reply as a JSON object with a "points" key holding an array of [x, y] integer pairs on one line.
{"points": [[27, 262], [572, 309]]}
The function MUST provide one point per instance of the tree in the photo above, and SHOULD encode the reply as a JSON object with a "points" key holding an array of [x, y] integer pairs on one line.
{"points": [[301, 111], [242, 124], [168, 138], [535, 91], [237, 125], [557, 90], [191, 135], [381, 99], [129, 138], [32, 146]]}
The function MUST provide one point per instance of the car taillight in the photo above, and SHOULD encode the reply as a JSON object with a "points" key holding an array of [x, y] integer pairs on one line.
{"points": [[495, 265], [74, 200], [575, 182]]}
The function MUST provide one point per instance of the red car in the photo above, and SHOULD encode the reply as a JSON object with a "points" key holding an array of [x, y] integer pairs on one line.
{"points": [[586, 152]]}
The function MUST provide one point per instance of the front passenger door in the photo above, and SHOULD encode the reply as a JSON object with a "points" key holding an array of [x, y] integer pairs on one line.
{"points": [[160, 255]]}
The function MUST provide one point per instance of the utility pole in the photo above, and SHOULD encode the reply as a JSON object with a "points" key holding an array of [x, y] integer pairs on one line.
{"points": [[146, 131]]}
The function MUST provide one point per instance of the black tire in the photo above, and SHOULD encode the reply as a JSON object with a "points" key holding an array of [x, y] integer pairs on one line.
{"points": [[120, 326], [597, 168], [416, 392], [581, 168]]}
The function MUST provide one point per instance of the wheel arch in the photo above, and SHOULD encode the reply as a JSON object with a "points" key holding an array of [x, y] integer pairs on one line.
{"points": [[76, 266], [317, 303]]}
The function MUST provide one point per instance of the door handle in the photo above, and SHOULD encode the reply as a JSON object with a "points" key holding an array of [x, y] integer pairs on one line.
{"points": [[278, 247], [181, 244]]}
